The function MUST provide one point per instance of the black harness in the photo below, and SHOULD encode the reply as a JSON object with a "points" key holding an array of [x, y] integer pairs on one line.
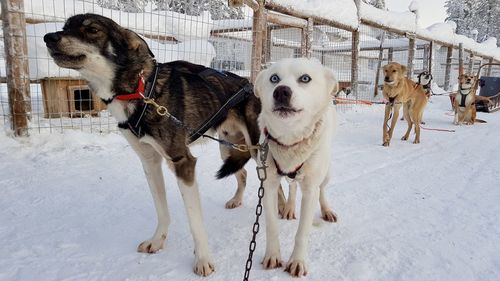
{"points": [[245, 91], [463, 98], [134, 122], [291, 175]]}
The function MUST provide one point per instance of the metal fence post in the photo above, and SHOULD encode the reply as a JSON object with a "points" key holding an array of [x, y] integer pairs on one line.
{"points": [[16, 57]]}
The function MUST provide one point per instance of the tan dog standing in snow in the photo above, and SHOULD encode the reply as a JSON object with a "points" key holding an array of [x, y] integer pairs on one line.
{"points": [[399, 90]]}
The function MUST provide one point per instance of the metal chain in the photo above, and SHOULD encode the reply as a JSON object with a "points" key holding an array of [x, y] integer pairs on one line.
{"points": [[262, 174]]}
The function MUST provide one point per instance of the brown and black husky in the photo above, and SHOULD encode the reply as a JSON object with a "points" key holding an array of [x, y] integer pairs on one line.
{"points": [[115, 61]]}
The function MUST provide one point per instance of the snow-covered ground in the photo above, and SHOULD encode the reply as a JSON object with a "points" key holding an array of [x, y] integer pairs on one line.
{"points": [[76, 205]]}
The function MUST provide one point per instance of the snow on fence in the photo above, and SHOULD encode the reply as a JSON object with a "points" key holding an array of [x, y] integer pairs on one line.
{"points": [[351, 37]]}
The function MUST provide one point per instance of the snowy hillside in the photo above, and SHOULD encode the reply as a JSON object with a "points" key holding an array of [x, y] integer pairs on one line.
{"points": [[75, 206]]}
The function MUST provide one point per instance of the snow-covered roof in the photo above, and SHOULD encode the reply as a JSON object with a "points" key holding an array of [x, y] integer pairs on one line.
{"points": [[42, 66], [341, 11], [446, 32], [345, 12], [405, 21]]}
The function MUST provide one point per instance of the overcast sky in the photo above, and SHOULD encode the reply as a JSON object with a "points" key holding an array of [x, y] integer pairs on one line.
{"points": [[431, 11]]}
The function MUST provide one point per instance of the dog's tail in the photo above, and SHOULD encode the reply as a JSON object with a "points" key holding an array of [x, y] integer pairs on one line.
{"points": [[232, 164], [480, 121]]}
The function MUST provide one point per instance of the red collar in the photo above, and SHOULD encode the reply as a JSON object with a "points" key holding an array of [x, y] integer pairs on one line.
{"points": [[139, 92], [269, 136]]}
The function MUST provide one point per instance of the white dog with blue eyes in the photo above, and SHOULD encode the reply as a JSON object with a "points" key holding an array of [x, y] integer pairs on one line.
{"points": [[298, 119]]}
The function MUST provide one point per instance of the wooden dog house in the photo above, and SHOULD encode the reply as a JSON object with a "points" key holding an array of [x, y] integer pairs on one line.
{"points": [[69, 97]]}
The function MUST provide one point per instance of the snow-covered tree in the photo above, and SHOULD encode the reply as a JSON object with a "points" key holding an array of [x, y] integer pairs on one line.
{"points": [[218, 8], [380, 4], [480, 15]]}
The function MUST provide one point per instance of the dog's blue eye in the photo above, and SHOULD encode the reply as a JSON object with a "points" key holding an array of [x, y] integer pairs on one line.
{"points": [[305, 78], [274, 78]]}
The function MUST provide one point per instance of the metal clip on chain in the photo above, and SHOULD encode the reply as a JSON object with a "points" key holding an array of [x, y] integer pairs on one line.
{"points": [[262, 174], [160, 109]]}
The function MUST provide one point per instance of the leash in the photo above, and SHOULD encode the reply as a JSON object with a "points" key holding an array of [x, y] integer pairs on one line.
{"points": [[262, 174], [355, 101], [437, 129], [163, 111]]}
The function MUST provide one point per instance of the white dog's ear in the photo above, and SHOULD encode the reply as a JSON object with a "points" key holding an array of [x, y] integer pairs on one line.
{"points": [[331, 82], [259, 82]]}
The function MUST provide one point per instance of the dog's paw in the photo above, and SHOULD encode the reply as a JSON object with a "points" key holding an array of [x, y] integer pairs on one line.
{"points": [[416, 141], [272, 261], [386, 143], [151, 246], [296, 268], [289, 212], [203, 266], [233, 203], [328, 215]]}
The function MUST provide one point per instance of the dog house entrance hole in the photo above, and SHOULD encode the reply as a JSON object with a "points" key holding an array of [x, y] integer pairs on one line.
{"points": [[83, 99]]}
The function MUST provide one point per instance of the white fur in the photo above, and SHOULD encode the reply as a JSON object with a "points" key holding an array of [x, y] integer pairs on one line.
{"points": [[312, 129]]}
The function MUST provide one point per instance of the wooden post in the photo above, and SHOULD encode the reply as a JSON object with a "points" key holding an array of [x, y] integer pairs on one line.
{"points": [[447, 72], [379, 63], [303, 42], [471, 63], [488, 73], [16, 57], [310, 33], [307, 37], [355, 52], [268, 45], [425, 59], [411, 55], [258, 37], [460, 59], [431, 57], [390, 55], [354, 62]]}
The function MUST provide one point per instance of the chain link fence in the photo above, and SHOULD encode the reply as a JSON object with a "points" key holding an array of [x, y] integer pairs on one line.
{"points": [[225, 38]]}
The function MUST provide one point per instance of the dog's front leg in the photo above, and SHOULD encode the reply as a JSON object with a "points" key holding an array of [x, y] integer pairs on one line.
{"points": [[296, 265], [272, 258], [151, 163], [326, 211], [385, 135], [394, 120], [184, 168], [289, 210]]}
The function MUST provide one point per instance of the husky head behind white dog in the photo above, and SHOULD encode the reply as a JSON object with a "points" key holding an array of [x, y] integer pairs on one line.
{"points": [[295, 91]]}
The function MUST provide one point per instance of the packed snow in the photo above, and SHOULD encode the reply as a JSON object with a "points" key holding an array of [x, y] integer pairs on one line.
{"points": [[76, 205]]}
